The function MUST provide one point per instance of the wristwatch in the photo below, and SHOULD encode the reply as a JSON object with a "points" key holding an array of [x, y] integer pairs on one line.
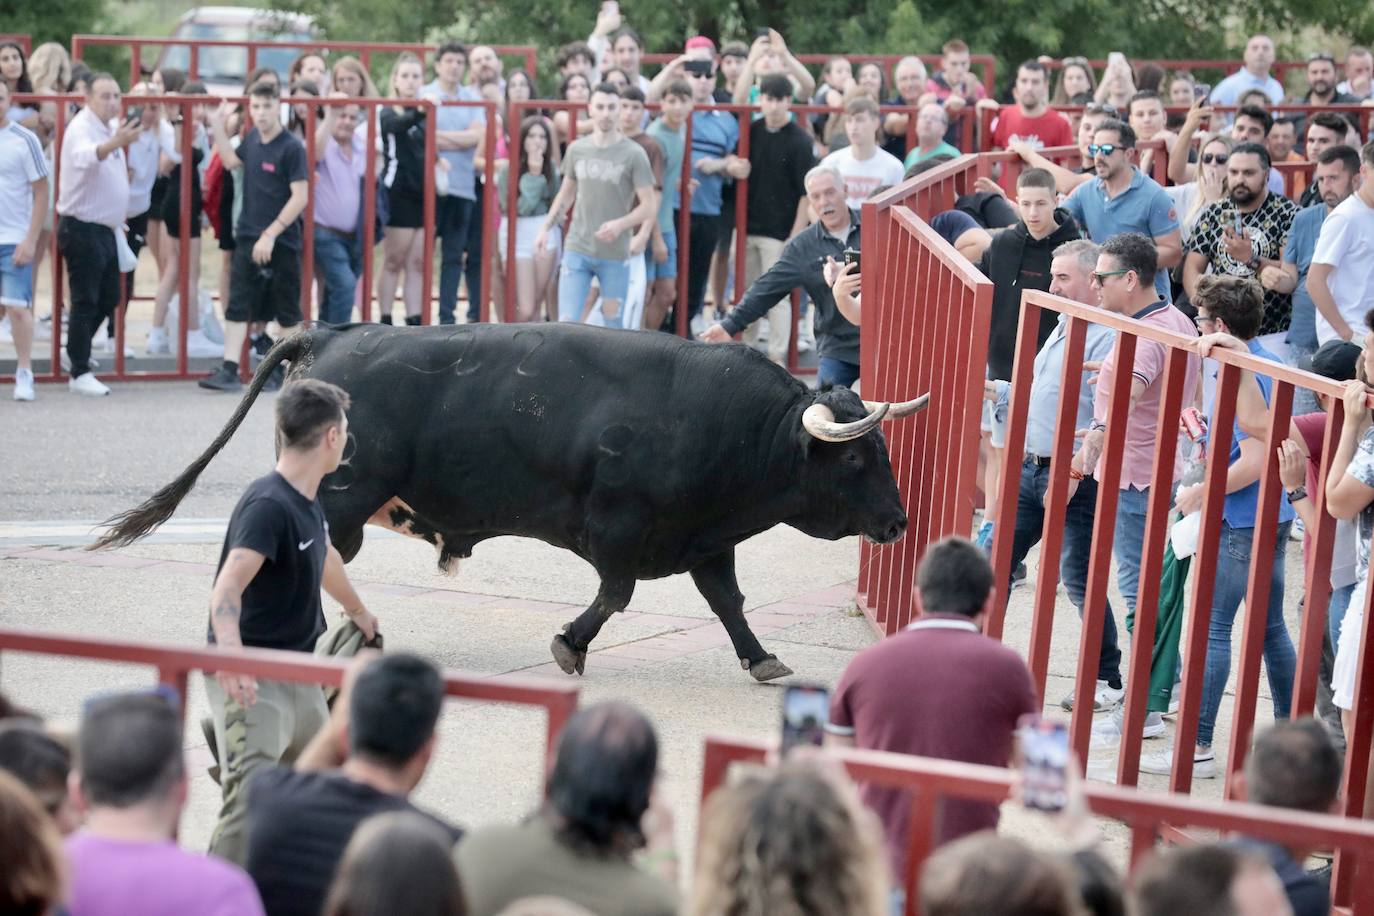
{"points": [[1096, 424], [1297, 494]]}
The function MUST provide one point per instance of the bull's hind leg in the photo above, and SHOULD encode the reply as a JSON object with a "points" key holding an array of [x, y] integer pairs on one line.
{"points": [[716, 581], [570, 647]]}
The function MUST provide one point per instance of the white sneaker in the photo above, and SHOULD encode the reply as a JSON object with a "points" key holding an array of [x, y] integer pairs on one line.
{"points": [[1105, 699], [88, 385], [106, 344], [157, 342], [197, 344], [1162, 764], [1107, 732], [23, 385], [696, 325], [761, 330]]}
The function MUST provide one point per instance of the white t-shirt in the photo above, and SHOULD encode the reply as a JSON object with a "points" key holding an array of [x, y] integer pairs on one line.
{"points": [[21, 164], [864, 176], [1346, 243], [142, 156]]}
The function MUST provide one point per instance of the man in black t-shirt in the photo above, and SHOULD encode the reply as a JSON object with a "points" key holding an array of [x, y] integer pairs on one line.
{"points": [[366, 760], [780, 155], [275, 559], [265, 273]]}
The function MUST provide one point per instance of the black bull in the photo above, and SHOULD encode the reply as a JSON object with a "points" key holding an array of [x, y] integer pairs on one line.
{"points": [[644, 454]]}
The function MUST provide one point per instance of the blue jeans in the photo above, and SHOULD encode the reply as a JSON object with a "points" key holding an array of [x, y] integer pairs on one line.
{"points": [[1335, 611], [340, 260], [1280, 661], [452, 217], [1131, 508], [836, 372], [1300, 357], [1078, 537], [575, 280]]}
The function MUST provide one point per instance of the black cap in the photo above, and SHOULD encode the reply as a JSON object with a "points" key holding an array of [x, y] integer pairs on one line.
{"points": [[1336, 360]]}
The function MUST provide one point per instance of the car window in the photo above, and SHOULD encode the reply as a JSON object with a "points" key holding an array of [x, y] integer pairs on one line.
{"points": [[230, 64]]}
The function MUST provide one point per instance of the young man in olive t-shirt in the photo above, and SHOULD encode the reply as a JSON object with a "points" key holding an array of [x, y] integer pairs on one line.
{"points": [[276, 557], [605, 174]]}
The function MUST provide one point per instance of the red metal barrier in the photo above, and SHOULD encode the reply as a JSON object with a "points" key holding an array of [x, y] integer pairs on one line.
{"points": [[926, 318], [1317, 581], [24, 41], [1281, 68], [174, 663], [363, 50], [1149, 815]]}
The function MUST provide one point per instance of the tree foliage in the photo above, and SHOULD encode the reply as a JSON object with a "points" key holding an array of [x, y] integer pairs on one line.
{"points": [[1013, 30]]}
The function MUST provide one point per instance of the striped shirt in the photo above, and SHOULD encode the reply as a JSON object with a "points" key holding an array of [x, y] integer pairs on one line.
{"points": [[21, 164], [92, 189]]}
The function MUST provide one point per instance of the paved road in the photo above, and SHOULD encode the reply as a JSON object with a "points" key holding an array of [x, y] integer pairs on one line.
{"points": [[73, 462]]}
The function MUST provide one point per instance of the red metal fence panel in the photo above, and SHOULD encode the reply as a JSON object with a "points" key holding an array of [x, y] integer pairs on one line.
{"points": [[1148, 814], [174, 663]]}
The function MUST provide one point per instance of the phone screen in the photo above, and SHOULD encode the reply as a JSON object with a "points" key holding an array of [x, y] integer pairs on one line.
{"points": [[1202, 90], [805, 710], [1044, 761]]}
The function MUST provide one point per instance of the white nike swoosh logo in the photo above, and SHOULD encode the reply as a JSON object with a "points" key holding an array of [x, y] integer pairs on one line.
{"points": [[305, 544]]}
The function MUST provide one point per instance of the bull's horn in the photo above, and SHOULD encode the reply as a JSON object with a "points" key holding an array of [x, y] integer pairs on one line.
{"points": [[904, 409], [820, 422]]}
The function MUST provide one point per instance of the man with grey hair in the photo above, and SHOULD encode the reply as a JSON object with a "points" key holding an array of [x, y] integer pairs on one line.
{"points": [[909, 79], [1071, 273], [802, 264], [931, 124]]}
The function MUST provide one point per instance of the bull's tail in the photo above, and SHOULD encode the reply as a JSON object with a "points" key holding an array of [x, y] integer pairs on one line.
{"points": [[133, 524]]}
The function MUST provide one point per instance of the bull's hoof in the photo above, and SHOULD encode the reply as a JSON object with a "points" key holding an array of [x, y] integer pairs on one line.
{"points": [[568, 658], [768, 669]]}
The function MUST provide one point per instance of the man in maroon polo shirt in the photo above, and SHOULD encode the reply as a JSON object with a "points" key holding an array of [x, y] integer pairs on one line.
{"points": [[940, 688]]}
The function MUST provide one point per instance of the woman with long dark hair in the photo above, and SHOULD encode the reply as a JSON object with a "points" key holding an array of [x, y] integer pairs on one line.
{"points": [[536, 182]]}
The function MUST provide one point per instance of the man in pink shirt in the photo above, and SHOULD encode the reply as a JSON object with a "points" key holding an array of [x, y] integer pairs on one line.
{"points": [[92, 197], [131, 784], [1125, 278]]}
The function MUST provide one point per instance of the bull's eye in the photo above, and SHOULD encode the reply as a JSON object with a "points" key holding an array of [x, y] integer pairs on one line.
{"points": [[852, 459]]}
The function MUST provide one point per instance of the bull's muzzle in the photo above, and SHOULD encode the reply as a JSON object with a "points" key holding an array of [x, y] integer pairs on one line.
{"points": [[820, 421]]}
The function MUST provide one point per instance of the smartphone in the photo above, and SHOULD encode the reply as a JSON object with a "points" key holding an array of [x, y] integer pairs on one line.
{"points": [[698, 66], [610, 6], [134, 114], [1202, 90], [1044, 762], [762, 32], [1237, 223], [851, 256], [1116, 58], [805, 710]]}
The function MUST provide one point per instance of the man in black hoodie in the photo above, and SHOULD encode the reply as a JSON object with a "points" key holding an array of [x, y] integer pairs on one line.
{"points": [[1019, 258]]}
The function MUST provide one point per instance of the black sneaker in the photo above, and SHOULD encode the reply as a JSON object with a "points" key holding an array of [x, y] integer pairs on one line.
{"points": [[223, 379], [257, 349], [274, 381], [1018, 575]]}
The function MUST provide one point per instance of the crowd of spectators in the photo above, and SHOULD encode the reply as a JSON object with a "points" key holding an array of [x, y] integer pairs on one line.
{"points": [[89, 821], [121, 184]]}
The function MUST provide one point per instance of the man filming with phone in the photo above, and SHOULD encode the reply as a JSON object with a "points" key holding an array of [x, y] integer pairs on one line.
{"points": [[802, 264]]}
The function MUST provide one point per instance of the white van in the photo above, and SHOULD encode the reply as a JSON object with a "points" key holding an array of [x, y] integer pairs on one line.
{"points": [[224, 69]]}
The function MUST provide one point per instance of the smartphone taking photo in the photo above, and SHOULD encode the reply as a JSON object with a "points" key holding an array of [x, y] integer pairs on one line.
{"points": [[805, 710], [851, 256], [1044, 762]]}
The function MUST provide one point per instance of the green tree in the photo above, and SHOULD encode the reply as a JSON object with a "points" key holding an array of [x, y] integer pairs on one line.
{"points": [[53, 21]]}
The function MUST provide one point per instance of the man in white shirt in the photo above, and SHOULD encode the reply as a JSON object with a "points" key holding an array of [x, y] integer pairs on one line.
{"points": [[865, 167], [92, 197], [23, 195], [1341, 278], [1259, 58]]}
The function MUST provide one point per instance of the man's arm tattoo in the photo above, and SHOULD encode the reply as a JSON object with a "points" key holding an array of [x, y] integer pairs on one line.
{"points": [[228, 608]]}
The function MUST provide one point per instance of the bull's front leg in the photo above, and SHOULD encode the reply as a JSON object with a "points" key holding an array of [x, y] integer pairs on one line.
{"points": [[716, 581], [570, 647]]}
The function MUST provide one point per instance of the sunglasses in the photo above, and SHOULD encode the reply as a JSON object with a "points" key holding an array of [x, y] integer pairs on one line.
{"points": [[1321, 55], [1105, 149], [1099, 276], [1218, 158], [1095, 108]]}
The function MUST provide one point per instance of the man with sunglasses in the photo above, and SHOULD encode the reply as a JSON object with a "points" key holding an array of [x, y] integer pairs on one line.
{"points": [[1123, 199], [1125, 281], [1243, 234]]}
